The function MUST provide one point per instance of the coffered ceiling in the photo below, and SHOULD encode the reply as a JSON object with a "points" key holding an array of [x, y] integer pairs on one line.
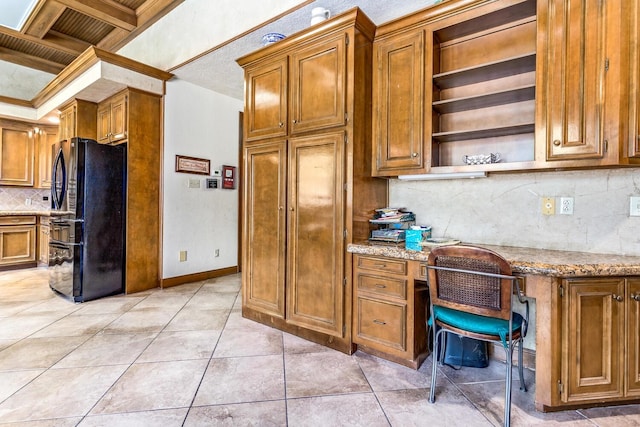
{"points": [[57, 31]]}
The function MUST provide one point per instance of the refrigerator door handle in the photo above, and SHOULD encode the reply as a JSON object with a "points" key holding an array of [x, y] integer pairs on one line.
{"points": [[58, 193], [62, 245]]}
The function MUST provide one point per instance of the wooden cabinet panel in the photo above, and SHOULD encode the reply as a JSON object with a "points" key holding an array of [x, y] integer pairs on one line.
{"points": [[382, 285], [382, 322], [265, 175], [46, 139], [633, 338], [17, 240], [78, 119], [634, 79], [317, 83], [576, 61], [43, 241], [16, 156], [266, 100], [592, 346], [398, 105], [316, 227], [112, 119]]}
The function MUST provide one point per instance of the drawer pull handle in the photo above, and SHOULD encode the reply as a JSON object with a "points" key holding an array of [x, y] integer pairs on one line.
{"points": [[381, 265], [617, 297], [379, 322], [381, 286]]}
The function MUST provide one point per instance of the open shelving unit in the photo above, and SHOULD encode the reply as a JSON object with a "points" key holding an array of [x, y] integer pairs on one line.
{"points": [[483, 87]]}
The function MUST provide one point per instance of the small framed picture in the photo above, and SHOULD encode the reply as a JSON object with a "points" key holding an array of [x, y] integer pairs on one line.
{"points": [[187, 164]]}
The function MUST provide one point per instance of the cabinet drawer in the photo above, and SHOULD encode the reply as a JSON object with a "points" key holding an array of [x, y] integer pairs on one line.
{"points": [[383, 285], [382, 322], [382, 264], [17, 220]]}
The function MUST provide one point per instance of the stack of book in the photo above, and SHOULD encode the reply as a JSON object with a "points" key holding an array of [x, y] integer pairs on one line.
{"points": [[393, 223]]}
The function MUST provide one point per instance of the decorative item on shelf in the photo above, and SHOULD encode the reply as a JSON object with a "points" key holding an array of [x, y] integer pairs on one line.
{"points": [[415, 236], [271, 38], [481, 159], [319, 14]]}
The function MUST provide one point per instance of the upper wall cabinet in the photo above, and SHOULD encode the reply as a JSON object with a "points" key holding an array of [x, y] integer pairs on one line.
{"points": [[77, 119], [454, 89], [16, 155], [112, 120], [266, 100], [634, 79]]}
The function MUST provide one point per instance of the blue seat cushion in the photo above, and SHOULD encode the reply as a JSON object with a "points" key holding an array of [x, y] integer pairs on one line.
{"points": [[476, 323]]}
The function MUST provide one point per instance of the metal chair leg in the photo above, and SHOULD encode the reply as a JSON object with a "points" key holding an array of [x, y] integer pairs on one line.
{"points": [[523, 386], [507, 394], [434, 368]]}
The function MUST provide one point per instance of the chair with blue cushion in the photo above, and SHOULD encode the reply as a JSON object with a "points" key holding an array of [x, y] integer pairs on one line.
{"points": [[471, 290]]}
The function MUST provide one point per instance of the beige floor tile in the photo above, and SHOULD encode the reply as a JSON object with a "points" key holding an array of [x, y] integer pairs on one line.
{"points": [[6, 343], [57, 422], [318, 374], [59, 393], [249, 340], [11, 308], [384, 375], [35, 353], [12, 381], [212, 300], [158, 418], [360, 409], [138, 321], [74, 325], [160, 300], [616, 416], [148, 386], [411, 407], [186, 288], [295, 345], [242, 379], [198, 319], [107, 349], [23, 325], [263, 414], [183, 345], [117, 304]]}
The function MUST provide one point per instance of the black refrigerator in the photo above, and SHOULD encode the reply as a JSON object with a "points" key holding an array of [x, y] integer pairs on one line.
{"points": [[87, 224]]}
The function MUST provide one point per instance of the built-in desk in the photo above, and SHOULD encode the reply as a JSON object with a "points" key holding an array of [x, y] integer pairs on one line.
{"points": [[587, 317]]}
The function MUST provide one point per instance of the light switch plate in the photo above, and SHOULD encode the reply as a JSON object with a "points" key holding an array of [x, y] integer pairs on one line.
{"points": [[634, 206]]}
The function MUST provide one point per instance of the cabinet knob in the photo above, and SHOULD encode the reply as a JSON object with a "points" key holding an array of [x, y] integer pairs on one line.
{"points": [[617, 297], [280, 208], [557, 142], [291, 209], [280, 124], [636, 297], [294, 121], [414, 155]]}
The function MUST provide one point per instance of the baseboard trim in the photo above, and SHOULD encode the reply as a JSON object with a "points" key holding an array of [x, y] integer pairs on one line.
{"points": [[189, 278]]}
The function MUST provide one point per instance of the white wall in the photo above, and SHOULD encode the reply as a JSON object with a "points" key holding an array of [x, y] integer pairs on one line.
{"points": [[204, 124], [506, 209]]}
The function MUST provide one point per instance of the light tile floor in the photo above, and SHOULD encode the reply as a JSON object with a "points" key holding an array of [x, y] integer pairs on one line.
{"points": [[184, 356]]}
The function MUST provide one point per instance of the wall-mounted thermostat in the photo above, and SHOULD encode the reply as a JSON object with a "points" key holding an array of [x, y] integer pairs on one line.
{"points": [[212, 183]]}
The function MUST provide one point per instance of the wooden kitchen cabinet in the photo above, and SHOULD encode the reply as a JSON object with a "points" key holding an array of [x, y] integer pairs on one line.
{"points": [[266, 100], [112, 117], [43, 240], [452, 81], [16, 154], [77, 119], [45, 139], [398, 105], [308, 189], [599, 340], [633, 12], [389, 312], [17, 241]]}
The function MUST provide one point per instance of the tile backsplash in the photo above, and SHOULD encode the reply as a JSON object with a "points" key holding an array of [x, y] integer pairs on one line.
{"points": [[16, 198]]}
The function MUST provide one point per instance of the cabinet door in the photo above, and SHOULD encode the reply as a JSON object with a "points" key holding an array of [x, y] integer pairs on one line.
{"points": [[317, 83], [17, 244], [16, 157], [118, 119], [43, 245], [266, 100], [633, 337], [104, 123], [46, 140], [398, 105], [634, 80], [315, 249], [66, 128], [592, 346], [264, 228], [575, 74]]}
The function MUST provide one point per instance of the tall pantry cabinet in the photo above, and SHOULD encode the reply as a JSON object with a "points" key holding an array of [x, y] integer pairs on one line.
{"points": [[308, 189]]}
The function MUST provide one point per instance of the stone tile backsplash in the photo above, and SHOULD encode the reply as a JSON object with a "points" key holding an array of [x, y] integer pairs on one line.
{"points": [[16, 198]]}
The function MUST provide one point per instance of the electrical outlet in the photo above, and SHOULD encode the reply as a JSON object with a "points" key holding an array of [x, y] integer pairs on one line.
{"points": [[217, 253], [634, 206], [183, 256], [548, 206], [566, 205]]}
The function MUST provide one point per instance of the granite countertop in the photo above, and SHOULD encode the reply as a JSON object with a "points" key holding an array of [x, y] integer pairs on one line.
{"points": [[42, 212], [528, 260]]}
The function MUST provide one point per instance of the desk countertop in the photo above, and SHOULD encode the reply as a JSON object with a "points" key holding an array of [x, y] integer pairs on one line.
{"points": [[528, 260]]}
